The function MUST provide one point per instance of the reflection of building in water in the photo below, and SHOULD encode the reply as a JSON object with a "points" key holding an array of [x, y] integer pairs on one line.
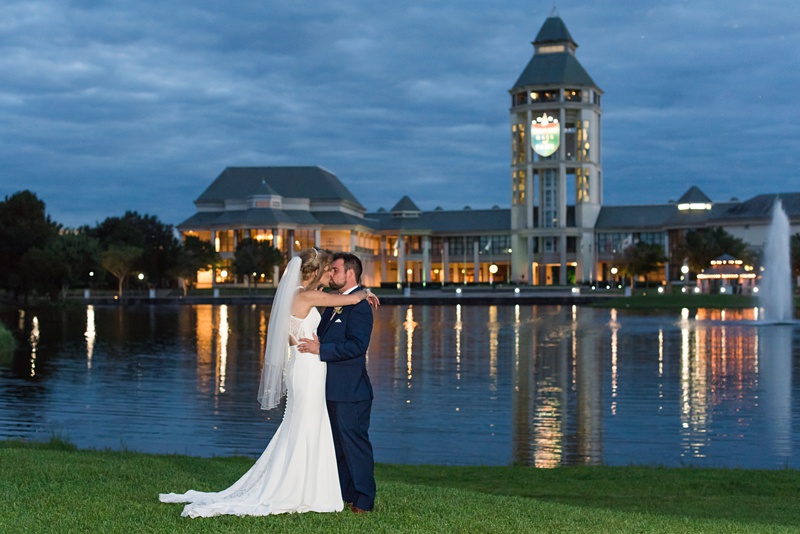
{"points": [[90, 335], [553, 364], [494, 329], [775, 381], [409, 326], [588, 387], [222, 361], [205, 346], [719, 366], [34, 340]]}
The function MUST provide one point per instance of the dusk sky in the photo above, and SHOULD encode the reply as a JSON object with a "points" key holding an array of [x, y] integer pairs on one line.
{"points": [[108, 106]]}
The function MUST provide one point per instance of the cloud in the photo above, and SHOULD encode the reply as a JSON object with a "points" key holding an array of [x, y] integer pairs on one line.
{"points": [[110, 106]]}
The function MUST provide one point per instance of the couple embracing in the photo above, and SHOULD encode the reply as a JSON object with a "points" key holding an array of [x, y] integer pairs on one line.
{"points": [[320, 457]]}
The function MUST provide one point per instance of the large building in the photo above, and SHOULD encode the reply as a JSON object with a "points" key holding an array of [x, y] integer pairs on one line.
{"points": [[557, 231]]}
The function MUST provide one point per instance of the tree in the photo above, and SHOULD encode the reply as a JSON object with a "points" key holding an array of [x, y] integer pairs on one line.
{"points": [[795, 252], [24, 225], [253, 258], [64, 262], [120, 261], [157, 241], [642, 259], [705, 244], [195, 255]]}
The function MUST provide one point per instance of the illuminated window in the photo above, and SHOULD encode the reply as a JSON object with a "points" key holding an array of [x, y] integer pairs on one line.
{"points": [[518, 142], [225, 240], [572, 95], [537, 97], [518, 179], [582, 185]]}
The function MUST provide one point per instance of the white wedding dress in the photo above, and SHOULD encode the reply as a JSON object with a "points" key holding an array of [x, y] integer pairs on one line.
{"points": [[297, 471]]}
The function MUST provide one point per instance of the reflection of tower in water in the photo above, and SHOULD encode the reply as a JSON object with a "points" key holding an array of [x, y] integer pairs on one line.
{"points": [[556, 369]]}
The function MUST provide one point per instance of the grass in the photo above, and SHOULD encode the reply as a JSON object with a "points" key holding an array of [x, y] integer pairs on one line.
{"points": [[55, 488]]}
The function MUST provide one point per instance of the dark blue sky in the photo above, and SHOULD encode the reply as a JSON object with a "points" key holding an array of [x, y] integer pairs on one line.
{"points": [[123, 105]]}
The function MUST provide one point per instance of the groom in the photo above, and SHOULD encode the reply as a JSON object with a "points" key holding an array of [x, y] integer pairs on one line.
{"points": [[344, 334]]}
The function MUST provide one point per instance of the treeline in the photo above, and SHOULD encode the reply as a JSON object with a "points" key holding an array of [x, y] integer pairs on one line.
{"points": [[40, 257]]}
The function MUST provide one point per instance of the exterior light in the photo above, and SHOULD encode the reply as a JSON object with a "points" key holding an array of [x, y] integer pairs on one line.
{"points": [[660, 289], [91, 273], [755, 290], [722, 289], [493, 268], [516, 290], [141, 276], [223, 273], [614, 270], [458, 291], [697, 290], [685, 269]]}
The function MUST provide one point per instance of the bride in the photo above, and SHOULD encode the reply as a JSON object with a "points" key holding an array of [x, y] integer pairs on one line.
{"points": [[297, 471]]}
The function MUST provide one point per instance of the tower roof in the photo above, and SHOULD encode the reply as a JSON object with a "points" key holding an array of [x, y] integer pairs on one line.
{"points": [[554, 31], [553, 61]]}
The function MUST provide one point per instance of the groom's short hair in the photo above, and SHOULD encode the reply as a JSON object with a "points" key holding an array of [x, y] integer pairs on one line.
{"points": [[351, 262]]}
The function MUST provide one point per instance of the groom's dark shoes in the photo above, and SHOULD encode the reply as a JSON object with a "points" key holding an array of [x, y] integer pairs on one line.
{"points": [[359, 511]]}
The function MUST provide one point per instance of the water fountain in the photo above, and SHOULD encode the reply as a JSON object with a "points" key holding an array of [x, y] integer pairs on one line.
{"points": [[775, 291]]}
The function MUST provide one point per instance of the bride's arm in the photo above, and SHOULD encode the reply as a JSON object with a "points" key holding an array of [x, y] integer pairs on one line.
{"points": [[321, 298]]}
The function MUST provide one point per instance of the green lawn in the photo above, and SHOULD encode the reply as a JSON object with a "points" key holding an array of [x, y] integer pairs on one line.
{"points": [[54, 488]]}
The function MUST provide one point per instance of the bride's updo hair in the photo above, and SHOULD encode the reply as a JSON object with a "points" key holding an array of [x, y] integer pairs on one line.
{"points": [[314, 263]]}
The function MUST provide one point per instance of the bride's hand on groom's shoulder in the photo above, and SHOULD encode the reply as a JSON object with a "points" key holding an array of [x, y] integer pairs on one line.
{"points": [[373, 299]]}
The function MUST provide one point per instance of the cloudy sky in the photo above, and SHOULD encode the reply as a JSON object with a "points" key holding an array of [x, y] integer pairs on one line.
{"points": [[115, 105]]}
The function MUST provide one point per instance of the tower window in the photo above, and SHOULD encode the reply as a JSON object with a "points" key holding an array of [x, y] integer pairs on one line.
{"points": [[572, 95], [537, 97]]}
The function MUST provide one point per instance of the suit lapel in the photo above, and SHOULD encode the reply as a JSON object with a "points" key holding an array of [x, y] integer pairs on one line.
{"points": [[327, 317]]}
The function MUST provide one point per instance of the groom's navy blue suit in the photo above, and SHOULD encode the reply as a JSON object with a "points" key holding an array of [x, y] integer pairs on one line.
{"points": [[344, 338]]}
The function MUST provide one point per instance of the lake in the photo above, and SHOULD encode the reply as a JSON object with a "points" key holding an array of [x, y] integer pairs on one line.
{"points": [[457, 385]]}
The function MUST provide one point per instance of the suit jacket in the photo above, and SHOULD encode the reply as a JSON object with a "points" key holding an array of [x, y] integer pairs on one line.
{"points": [[344, 339]]}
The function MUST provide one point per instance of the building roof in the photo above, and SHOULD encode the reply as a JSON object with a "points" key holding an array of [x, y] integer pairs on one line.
{"points": [[694, 196], [250, 218], [760, 207], [314, 183], [439, 221], [405, 204]]}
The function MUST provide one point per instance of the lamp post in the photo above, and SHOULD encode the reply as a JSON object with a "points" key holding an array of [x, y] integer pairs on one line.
{"points": [[492, 272], [614, 272], [684, 276]]}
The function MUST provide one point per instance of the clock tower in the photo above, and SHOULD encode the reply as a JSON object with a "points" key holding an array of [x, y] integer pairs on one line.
{"points": [[556, 171]]}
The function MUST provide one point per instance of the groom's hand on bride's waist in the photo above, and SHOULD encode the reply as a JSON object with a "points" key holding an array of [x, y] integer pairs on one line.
{"points": [[309, 345]]}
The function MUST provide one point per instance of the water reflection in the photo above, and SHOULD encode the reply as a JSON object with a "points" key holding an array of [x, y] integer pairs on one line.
{"points": [[535, 385], [90, 335], [34, 341]]}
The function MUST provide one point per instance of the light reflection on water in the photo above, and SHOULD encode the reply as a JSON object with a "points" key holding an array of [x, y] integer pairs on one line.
{"points": [[535, 385]]}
